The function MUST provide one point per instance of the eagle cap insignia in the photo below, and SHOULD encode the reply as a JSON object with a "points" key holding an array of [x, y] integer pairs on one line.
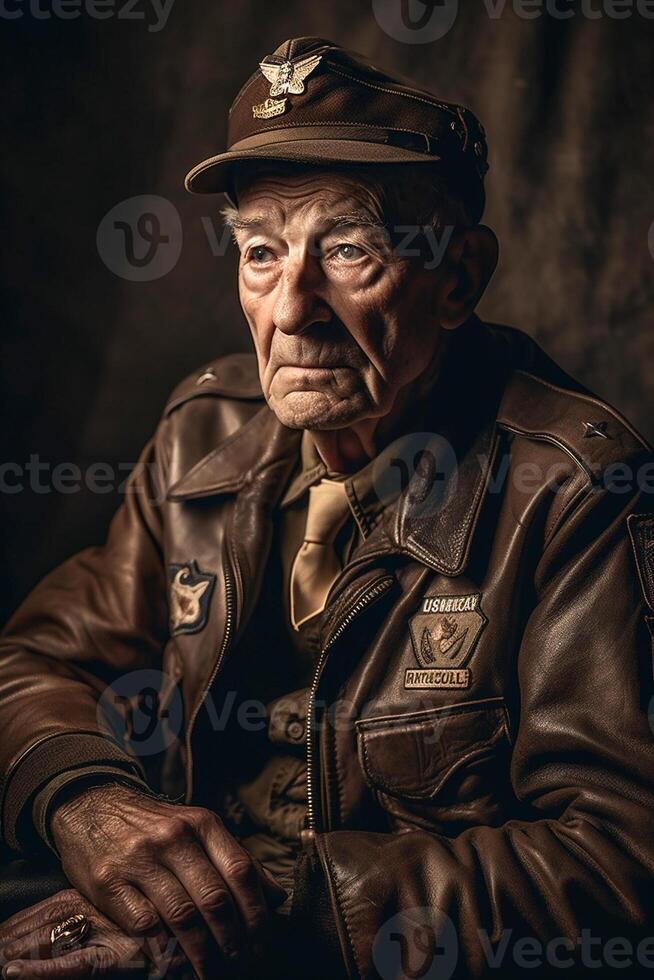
{"points": [[190, 594], [443, 633], [287, 76]]}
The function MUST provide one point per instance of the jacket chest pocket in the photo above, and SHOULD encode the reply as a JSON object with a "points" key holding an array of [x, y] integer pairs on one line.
{"points": [[441, 769]]}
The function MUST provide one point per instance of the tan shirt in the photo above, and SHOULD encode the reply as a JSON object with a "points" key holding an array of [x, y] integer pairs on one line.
{"points": [[274, 801]]}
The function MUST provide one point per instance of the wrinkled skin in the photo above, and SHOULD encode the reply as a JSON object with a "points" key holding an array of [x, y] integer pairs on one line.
{"points": [[348, 331], [158, 869], [348, 335], [107, 950]]}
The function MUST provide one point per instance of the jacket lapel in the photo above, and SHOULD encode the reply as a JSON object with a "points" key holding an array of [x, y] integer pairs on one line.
{"points": [[254, 464], [261, 443]]}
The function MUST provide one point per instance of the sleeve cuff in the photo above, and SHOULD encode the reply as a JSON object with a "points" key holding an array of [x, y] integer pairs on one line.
{"points": [[63, 753], [84, 777], [314, 917]]}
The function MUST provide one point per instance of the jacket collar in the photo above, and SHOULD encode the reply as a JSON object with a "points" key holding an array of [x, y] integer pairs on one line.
{"points": [[434, 518], [258, 445]]}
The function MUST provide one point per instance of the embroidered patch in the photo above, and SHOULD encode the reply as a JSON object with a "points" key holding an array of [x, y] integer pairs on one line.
{"points": [[270, 108], [190, 594], [443, 634]]}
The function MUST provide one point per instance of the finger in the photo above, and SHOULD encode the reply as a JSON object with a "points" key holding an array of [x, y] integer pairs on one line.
{"points": [[35, 944], [238, 870], [132, 912], [127, 907], [184, 920], [79, 965], [54, 909], [210, 893]]}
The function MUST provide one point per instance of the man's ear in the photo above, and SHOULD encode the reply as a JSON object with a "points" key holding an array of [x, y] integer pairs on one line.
{"points": [[470, 262]]}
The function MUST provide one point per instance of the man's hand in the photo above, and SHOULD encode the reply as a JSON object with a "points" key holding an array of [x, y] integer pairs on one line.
{"points": [[157, 868], [26, 952]]}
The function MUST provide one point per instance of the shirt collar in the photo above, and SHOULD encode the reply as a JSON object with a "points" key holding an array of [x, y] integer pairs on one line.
{"points": [[365, 502]]}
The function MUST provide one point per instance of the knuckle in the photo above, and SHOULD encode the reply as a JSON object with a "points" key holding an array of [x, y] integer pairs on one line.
{"points": [[170, 832], [215, 900], [105, 876], [182, 914], [241, 871], [144, 921], [138, 845], [204, 818]]}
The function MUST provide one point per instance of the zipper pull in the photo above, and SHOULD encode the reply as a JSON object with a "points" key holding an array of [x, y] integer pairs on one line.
{"points": [[308, 842]]}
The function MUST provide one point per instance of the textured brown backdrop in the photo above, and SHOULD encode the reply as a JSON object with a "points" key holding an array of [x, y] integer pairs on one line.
{"points": [[104, 110]]}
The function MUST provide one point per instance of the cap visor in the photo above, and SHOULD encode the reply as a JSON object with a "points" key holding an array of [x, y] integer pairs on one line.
{"points": [[212, 175]]}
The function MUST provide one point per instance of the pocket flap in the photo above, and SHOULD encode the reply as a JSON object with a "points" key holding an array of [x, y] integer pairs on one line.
{"points": [[641, 532], [411, 755]]}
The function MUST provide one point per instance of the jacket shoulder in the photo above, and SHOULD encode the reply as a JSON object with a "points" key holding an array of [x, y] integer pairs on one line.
{"points": [[231, 376], [589, 430]]}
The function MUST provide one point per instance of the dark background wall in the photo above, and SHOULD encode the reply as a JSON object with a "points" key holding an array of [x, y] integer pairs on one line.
{"points": [[99, 111]]}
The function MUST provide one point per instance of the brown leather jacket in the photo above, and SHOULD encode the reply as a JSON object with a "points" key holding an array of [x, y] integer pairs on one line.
{"points": [[491, 758]]}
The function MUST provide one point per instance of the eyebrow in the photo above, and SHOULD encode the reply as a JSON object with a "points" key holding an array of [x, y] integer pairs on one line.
{"points": [[349, 219]]}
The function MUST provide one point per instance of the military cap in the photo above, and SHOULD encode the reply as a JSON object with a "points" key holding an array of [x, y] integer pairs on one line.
{"points": [[311, 101]]}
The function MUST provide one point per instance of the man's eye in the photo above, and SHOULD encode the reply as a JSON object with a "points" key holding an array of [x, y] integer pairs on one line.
{"points": [[260, 254], [348, 251]]}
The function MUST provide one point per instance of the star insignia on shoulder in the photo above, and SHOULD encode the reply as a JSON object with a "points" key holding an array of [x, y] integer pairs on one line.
{"points": [[287, 76], [595, 430]]}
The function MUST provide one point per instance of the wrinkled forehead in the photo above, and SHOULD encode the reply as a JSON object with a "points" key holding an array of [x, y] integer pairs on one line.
{"points": [[286, 191]]}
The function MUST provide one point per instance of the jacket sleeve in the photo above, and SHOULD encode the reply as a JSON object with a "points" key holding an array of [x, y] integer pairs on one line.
{"points": [[577, 863], [98, 615]]}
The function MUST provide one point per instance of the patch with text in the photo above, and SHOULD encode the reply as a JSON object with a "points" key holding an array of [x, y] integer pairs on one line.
{"points": [[443, 634]]}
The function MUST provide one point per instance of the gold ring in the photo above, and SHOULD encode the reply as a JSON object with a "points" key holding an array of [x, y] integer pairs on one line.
{"points": [[69, 934]]}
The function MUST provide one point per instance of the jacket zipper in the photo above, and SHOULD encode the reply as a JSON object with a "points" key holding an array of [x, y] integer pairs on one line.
{"points": [[369, 596], [229, 625]]}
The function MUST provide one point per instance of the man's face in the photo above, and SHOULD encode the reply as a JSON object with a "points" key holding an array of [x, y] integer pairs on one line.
{"points": [[340, 322]]}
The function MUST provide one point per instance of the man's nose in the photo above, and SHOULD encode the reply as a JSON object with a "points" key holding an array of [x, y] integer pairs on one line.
{"points": [[299, 302]]}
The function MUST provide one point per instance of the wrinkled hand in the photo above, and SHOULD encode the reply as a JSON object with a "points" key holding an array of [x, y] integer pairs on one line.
{"points": [[107, 952], [156, 868]]}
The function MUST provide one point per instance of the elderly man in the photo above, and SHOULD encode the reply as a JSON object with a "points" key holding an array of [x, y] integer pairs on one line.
{"points": [[395, 579]]}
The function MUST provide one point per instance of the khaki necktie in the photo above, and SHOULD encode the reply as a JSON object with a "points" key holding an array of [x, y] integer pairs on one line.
{"points": [[316, 564]]}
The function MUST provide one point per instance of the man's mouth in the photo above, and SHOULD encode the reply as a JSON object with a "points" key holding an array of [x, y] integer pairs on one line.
{"points": [[309, 374]]}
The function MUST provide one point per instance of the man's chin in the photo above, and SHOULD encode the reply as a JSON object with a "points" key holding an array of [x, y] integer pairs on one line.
{"points": [[317, 410]]}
